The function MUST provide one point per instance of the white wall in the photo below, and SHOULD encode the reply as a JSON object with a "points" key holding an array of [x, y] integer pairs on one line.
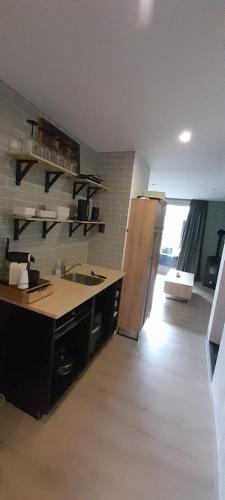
{"points": [[218, 390], [140, 178], [217, 316]]}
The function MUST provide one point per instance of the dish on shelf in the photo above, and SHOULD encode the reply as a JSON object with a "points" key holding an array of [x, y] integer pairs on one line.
{"points": [[62, 213], [45, 214], [24, 211]]}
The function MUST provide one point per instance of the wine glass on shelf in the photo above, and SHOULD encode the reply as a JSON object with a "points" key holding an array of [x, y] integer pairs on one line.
{"points": [[74, 162], [45, 150], [60, 156]]}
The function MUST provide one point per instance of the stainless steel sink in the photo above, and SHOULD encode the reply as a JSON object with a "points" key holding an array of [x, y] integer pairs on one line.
{"points": [[83, 279]]}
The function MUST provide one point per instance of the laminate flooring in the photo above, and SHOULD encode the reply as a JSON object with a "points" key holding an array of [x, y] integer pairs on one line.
{"points": [[137, 425]]}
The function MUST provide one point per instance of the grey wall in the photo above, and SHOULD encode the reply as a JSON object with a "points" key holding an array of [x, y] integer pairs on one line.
{"points": [[14, 111], [117, 171], [215, 220]]}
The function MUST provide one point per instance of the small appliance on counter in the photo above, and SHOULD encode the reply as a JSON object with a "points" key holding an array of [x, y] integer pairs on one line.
{"points": [[23, 285], [19, 257], [19, 265]]}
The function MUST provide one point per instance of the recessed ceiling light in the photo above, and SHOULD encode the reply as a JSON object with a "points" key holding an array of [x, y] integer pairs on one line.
{"points": [[185, 136]]}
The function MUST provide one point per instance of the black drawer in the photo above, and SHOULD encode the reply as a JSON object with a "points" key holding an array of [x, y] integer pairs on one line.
{"points": [[75, 315]]}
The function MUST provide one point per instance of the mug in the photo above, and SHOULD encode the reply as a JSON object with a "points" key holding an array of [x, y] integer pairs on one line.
{"points": [[34, 276], [23, 281]]}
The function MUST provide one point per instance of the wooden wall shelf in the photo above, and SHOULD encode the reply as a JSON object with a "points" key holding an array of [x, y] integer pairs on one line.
{"points": [[46, 228], [25, 161], [52, 167]]}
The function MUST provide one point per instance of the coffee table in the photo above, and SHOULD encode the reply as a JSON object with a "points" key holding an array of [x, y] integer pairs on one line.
{"points": [[179, 285]]}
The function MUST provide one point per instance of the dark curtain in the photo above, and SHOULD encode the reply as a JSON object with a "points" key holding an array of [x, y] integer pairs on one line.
{"points": [[191, 247]]}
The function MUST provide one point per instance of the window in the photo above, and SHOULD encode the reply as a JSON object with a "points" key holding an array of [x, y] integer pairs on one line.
{"points": [[175, 220]]}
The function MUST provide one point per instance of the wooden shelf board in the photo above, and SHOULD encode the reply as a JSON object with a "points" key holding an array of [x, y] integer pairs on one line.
{"points": [[44, 163], [45, 219], [55, 167], [92, 183], [89, 221]]}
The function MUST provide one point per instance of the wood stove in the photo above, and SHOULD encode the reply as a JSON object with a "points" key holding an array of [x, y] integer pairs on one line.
{"points": [[213, 263]]}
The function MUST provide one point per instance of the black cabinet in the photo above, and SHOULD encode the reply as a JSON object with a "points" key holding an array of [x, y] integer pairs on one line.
{"points": [[70, 355], [27, 357], [105, 316], [40, 357]]}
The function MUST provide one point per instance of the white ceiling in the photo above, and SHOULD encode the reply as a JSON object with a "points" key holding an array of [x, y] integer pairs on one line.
{"points": [[128, 74]]}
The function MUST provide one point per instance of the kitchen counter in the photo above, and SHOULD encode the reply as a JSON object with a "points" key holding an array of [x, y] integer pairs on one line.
{"points": [[68, 295]]}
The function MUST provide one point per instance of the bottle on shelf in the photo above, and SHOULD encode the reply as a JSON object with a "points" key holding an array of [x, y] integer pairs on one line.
{"points": [[32, 145]]}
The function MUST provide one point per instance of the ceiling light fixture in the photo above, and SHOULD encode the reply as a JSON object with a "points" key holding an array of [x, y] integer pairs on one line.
{"points": [[146, 11], [185, 136]]}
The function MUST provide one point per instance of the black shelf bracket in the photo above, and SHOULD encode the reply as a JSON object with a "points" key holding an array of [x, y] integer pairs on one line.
{"points": [[91, 191], [101, 228], [77, 188], [18, 229], [48, 181], [22, 168], [87, 229], [73, 228], [46, 229]]}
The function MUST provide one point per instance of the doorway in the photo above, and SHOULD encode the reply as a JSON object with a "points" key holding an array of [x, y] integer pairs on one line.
{"points": [[175, 221]]}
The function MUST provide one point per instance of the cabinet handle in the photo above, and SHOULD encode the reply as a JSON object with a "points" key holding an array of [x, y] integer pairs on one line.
{"points": [[95, 329]]}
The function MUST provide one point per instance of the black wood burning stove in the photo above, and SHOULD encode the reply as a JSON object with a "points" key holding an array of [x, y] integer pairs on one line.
{"points": [[213, 263]]}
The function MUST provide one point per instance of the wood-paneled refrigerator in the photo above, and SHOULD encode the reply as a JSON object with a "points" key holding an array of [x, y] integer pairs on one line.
{"points": [[142, 248]]}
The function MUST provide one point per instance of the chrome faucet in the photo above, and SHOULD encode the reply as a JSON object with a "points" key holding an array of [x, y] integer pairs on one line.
{"points": [[66, 269]]}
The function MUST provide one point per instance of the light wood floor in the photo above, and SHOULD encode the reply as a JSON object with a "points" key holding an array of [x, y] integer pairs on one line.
{"points": [[137, 426]]}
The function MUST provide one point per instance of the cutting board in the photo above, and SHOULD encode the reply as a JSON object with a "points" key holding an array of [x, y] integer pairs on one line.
{"points": [[28, 296]]}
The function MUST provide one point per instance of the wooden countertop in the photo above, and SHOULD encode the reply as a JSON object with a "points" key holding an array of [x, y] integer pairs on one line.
{"points": [[68, 295]]}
